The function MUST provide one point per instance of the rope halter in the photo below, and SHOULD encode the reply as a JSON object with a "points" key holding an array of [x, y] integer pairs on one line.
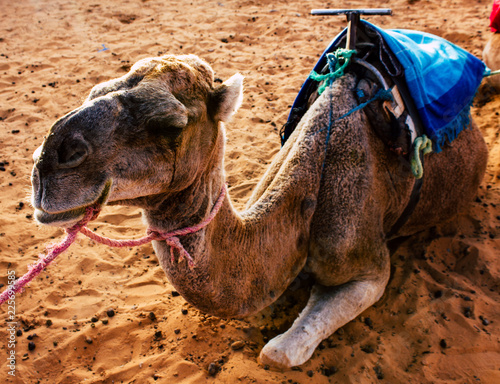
{"points": [[91, 213]]}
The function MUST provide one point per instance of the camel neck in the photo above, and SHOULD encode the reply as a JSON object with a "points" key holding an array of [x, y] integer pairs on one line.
{"points": [[244, 261]]}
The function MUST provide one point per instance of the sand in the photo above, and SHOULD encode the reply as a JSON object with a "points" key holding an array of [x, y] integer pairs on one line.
{"points": [[439, 319]]}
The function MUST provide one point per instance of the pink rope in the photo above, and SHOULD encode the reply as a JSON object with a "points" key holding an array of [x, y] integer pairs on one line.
{"points": [[171, 238]]}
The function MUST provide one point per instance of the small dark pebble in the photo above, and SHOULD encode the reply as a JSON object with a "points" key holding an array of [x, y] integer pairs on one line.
{"points": [[438, 294], [467, 298], [32, 336], [443, 343], [55, 343], [213, 368], [158, 335], [468, 312], [367, 349], [485, 322], [329, 371], [2, 169], [19, 332], [310, 373], [237, 345], [110, 312], [94, 319], [152, 316], [175, 294], [31, 346], [378, 372], [105, 321], [369, 322], [48, 323], [14, 131], [88, 340], [177, 331], [184, 311]]}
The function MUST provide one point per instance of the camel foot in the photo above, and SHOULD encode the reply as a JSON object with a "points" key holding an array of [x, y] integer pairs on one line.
{"points": [[278, 353]]}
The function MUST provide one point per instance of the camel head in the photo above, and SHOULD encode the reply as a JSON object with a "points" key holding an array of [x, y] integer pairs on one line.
{"points": [[149, 132]]}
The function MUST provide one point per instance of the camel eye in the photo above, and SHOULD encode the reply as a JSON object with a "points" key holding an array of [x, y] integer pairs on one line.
{"points": [[163, 126], [72, 153]]}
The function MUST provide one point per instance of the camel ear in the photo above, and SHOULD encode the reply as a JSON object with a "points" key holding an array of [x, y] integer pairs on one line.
{"points": [[226, 99]]}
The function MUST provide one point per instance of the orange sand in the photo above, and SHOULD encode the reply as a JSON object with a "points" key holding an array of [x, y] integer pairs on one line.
{"points": [[444, 281]]}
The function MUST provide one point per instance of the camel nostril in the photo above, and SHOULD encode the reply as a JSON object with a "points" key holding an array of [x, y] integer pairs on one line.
{"points": [[72, 153]]}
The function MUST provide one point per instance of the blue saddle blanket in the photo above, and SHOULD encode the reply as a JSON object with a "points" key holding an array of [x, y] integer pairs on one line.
{"points": [[442, 79]]}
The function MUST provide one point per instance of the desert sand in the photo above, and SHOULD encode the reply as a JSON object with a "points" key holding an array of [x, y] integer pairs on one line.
{"points": [[102, 315]]}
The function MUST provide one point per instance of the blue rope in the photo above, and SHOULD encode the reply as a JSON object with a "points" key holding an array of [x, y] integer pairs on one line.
{"points": [[360, 93], [382, 94], [337, 71]]}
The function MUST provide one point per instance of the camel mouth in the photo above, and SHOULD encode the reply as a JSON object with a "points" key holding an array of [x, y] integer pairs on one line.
{"points": [[70, 217]]}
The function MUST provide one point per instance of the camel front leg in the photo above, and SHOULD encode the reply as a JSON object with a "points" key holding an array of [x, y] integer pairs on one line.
{"points": [[328, 309]]}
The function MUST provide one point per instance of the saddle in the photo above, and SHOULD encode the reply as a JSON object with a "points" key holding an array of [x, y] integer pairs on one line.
{"points": [[432, 82], [396, 122]]}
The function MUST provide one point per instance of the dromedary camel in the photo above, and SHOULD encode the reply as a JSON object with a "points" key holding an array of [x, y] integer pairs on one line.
{"points": [[156, 136]]}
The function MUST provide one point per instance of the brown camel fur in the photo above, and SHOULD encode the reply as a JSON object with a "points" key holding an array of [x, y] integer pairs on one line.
{"points": [[157, 134], [491, 56]]}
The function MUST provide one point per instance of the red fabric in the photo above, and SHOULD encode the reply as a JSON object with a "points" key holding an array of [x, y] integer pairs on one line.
{"points": [[495, 17]]}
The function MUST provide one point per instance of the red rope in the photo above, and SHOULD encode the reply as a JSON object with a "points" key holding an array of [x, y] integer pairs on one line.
{"points": [[171, 238]]}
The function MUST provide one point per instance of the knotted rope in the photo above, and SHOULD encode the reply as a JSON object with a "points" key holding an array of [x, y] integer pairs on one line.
{"points": [[424, 144], [171, 238], [337, 62]]}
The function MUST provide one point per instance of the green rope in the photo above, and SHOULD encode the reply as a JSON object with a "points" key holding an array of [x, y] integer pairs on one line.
{"points": [[424, 144], [337, 62], [492, 73]]}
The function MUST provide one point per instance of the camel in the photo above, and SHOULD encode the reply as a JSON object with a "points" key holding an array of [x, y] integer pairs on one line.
{"points": [[154, 138], [491, 57]]}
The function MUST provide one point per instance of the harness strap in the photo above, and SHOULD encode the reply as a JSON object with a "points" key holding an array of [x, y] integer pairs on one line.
{"points": [[410, 207]]}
